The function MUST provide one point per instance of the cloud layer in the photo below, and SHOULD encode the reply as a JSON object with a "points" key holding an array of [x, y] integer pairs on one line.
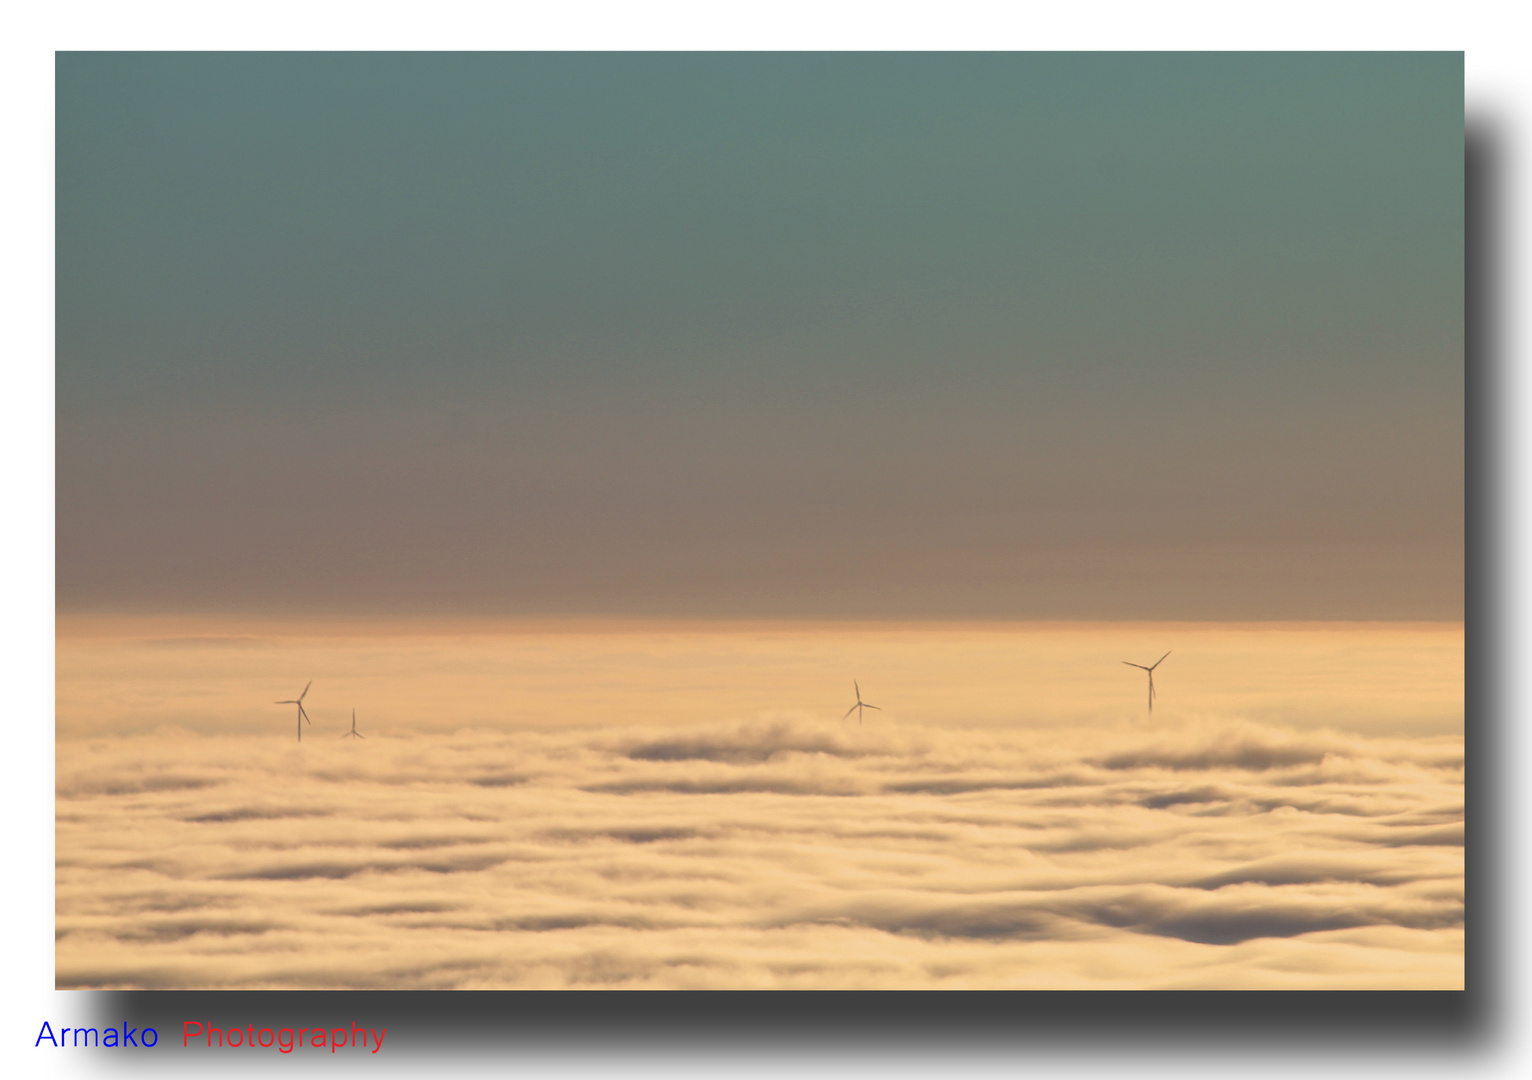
{"points": [[787, 850]]}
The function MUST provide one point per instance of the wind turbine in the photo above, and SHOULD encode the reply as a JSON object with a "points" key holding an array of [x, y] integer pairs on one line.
{"points": [[860, 704], [1150, 670], [353, 731], [302, 716]]}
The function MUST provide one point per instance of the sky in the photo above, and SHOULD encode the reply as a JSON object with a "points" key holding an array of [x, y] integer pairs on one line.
{"points": [[808, 336]]}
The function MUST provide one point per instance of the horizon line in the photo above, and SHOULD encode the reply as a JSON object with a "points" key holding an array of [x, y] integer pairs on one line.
{"points": [[115, 623]]}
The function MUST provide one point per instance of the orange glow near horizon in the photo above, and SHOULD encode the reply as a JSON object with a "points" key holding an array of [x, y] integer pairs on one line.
{"points": [[118, 674]]}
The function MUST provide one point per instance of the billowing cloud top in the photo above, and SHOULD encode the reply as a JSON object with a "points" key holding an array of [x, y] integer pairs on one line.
{"points": [[782, 851]]}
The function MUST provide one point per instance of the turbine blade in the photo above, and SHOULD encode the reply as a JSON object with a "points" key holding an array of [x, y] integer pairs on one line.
{"points": [[305, 691], [1161, 660], [867, 706], [849, 711], [1140, 667]]}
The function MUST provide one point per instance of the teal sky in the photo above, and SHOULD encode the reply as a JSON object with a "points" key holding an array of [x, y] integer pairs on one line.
{"points": [[818, 335]]}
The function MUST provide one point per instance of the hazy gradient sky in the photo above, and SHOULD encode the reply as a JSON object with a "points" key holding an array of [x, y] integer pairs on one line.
{"points": [[1020, 336]]}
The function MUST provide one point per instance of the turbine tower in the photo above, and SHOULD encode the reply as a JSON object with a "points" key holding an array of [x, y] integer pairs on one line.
{"points": [[1150, 670], [860, 704], [302, 716], [353, 732]]}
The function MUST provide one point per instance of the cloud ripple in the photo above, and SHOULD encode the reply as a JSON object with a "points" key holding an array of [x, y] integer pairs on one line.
{"points": [[785, 851]]}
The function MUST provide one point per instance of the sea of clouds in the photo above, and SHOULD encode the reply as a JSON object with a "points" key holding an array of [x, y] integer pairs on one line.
{"points": [[787, 850]]}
